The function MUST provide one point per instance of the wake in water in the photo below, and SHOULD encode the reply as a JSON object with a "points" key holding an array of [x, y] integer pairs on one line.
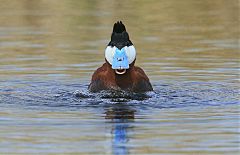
{"points": [[165, 95], [115, 96]]}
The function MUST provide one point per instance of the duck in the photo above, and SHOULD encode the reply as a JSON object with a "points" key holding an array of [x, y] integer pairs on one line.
{"points": [[119, 71]]}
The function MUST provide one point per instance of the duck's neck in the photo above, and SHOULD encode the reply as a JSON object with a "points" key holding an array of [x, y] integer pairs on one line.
{"points": [[124, 81]]}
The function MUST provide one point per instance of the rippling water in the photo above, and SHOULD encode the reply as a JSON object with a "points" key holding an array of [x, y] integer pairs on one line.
{"points": [[49, 50]]}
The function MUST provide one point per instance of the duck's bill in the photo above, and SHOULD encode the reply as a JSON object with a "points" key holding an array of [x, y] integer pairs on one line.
{"points": [[120, 71], [120, 61]]}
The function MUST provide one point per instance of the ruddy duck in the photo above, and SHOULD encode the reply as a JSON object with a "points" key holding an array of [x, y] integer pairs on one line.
{"points": [[118, 72]]}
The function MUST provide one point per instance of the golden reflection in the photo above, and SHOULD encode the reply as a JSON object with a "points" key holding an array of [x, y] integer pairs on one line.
{"points": [[69, 37]]}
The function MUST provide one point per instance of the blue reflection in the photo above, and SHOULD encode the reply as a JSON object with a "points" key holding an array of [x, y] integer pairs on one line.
{"points": [[120, 139], [121, 117]]}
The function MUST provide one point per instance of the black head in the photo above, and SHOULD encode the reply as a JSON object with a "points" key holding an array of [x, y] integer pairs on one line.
{"points": [[120, 37]]}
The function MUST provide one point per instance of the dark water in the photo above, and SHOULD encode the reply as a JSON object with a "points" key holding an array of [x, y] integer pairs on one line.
{"points": [[63, 117], [49, 50]]}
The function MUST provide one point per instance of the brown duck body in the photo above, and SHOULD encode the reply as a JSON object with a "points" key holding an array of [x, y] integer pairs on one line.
{"points": [[134, 80], [118, 72]]}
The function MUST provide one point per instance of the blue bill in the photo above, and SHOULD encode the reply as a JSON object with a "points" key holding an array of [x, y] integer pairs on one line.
{"points": [[120, 59]]}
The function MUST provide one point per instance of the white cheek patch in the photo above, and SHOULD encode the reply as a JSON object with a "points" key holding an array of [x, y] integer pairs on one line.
{"points": [[109, 53], [131, 53]]}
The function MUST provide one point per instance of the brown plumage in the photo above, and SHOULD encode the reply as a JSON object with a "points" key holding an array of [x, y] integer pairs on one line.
{"points": [[135, 80], [106, 78]]}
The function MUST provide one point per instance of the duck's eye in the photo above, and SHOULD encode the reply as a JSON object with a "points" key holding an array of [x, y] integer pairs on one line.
{"points": [[131, 53], [109, 53]]}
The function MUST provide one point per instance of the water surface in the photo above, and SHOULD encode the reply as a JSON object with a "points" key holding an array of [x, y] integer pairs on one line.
{"points": [[49, 50]]}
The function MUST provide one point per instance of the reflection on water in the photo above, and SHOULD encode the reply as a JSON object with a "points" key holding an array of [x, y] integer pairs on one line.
{"points": [[120, 116], [59, 116], [174, 40], [49, 50]]}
